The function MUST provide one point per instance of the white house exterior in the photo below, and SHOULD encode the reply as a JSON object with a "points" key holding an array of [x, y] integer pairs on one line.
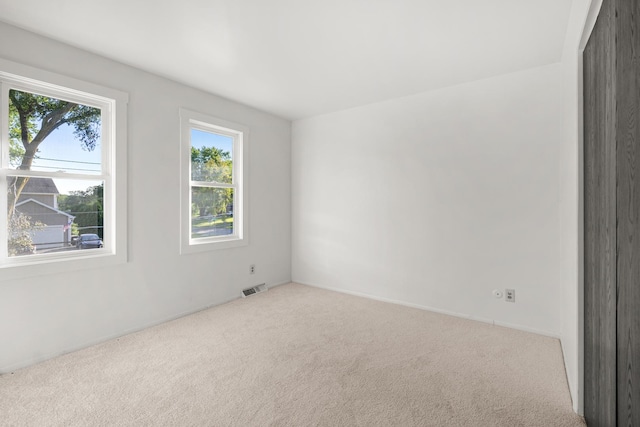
{"points": [[39, 201]]}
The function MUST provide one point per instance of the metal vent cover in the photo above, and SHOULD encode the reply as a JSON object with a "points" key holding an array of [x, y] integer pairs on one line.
{"points": [[254, 290]]}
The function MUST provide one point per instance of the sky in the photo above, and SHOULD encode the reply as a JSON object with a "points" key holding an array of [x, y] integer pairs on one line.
{"points": [[201, 139], [62, 151]]}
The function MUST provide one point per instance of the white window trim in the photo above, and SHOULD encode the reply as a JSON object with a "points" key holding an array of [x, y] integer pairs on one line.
{"points": [[194, 120], [114, 158]]}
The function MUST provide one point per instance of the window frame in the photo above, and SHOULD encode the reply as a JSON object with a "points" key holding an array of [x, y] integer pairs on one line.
{"points": [[189, 120], [113, 106]]}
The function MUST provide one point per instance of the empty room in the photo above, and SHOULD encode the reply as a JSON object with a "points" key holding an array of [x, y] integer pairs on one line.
{"points": [[335, 213]]}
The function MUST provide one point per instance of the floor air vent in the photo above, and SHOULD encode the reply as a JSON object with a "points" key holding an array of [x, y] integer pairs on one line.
{"points": [[255, 290]]}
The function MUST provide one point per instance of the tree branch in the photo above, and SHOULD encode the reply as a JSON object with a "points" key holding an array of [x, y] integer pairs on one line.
{"points": [[52, 121]]}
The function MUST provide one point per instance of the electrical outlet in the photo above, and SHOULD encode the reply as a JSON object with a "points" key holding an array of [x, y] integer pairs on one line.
{"points": [[510, 295], [252, 269]]}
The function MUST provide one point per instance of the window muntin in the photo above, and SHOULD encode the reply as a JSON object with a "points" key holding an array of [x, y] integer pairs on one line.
{"points": [[212, 194], [69, 174]]}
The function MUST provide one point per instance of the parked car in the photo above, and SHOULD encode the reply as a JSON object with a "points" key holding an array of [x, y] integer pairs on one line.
{"points": [[88, 241]]}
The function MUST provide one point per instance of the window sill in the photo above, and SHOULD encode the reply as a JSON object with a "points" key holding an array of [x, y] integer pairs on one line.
{"points": [[41, 266], [212, 245]]}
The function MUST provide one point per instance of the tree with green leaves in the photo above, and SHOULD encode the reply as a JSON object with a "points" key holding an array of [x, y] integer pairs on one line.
{"points": [[32, 118], [87, 207], [16, 152], [211, 164]]}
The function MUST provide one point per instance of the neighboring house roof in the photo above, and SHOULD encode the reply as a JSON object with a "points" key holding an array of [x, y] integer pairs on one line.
{"points": [[38, 186], [45, 205]]}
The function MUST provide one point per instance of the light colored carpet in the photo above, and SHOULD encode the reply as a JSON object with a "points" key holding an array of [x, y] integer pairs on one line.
{"points": [[300, 356]]}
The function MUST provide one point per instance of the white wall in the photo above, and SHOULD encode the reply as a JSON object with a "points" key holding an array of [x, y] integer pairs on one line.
{"points": [[44, 316], [436, 199]]}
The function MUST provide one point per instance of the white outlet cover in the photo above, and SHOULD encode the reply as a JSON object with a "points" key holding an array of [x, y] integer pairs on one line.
{"points": [[497, 293]]}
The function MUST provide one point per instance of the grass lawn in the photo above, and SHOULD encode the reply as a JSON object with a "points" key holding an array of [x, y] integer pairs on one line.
{"points": [[220, 222]]}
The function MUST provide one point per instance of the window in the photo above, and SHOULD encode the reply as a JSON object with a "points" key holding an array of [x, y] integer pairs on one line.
{"points": [[59, 166], [213, 205]]}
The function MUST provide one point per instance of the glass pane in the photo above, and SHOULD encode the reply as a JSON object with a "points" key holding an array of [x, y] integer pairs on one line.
{"points": [[211, 212], [211, 157], [49, 134], [54, 215]]}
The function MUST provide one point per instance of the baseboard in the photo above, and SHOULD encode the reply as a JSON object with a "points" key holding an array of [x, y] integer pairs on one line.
{"points": [[439, 311], [278, 284], [41, 358]]}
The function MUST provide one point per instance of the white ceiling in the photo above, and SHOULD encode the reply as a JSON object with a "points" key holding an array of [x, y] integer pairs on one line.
{"points": [[298, 58]]}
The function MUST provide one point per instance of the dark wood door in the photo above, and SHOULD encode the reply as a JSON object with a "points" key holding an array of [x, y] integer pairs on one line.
{"points": [[628, 209], [612, 217], [600, 224]]}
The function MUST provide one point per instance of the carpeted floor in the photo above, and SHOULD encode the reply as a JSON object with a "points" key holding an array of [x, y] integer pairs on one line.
{"points": [[300, 356]]}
